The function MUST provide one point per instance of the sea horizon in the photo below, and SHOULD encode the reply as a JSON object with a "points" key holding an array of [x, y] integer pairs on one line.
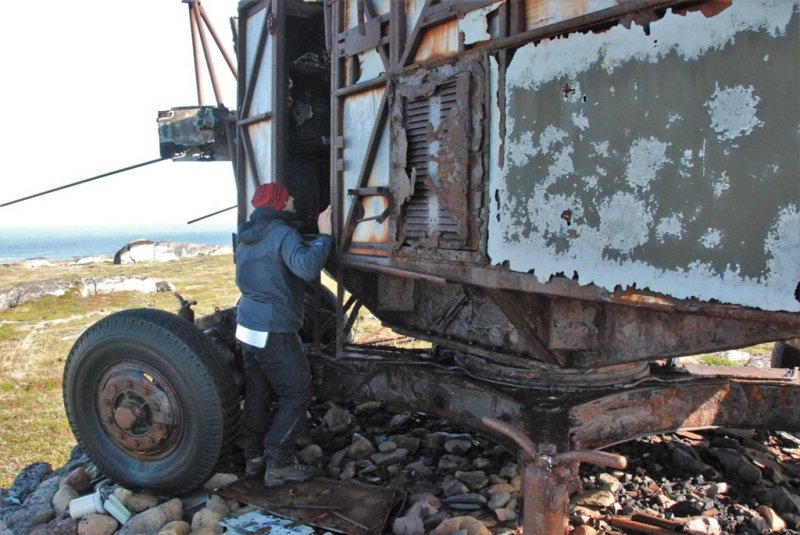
{"points": [[20, 243]]}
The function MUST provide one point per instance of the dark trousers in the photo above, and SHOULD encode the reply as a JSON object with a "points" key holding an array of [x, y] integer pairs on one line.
{"points": [[281, 370]]}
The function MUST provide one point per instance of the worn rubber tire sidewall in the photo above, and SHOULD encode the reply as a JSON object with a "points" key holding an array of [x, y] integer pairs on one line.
{"points": [[184, 359]]}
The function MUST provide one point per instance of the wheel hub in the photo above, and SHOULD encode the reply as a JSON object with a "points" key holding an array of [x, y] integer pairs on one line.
{"points": [[139, 411]]}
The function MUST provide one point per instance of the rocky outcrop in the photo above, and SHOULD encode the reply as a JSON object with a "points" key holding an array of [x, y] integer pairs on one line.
{"points": [[11, 297], [152, 251]]}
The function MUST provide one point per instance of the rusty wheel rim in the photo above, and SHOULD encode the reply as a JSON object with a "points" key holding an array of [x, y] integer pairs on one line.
{"points": [[139, 410]]}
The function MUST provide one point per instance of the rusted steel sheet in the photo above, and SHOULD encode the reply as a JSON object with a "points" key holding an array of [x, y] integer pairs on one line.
{"points": [[540, 13], [674, 153], [438, 42], [567, 418], [694, 404]]}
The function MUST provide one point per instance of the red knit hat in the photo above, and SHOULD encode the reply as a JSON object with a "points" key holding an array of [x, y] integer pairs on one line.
{"points": [[271, 195]]}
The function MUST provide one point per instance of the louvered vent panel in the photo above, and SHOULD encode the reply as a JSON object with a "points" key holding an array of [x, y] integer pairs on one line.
{"points": [[423, 214]]}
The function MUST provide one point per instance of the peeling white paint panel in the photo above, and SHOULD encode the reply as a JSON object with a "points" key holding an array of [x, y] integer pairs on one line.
{"points": [[677, 158], [360, 114], [539, 13], [475, 26], [371, 65]]}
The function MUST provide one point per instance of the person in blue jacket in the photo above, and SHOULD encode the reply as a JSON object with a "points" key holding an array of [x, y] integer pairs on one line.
{"points": [[272, 263]]}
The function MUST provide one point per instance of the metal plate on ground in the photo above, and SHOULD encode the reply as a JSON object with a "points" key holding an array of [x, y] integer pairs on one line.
{"points": [[342, 506]]}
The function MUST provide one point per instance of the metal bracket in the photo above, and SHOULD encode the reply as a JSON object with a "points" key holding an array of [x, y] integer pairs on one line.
{"points": [[368, 192]]}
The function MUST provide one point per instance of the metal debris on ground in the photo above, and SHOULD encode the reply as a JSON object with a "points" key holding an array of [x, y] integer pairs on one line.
{"points": [[340, 506]]}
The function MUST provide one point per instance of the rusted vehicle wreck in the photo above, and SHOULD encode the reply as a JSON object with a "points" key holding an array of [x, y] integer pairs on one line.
{"points": [[560, 196]]}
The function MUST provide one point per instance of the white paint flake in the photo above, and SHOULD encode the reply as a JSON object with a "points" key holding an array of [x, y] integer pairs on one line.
{"points": [[624, 222], [601, 148], [672, 119], [689, 35], [733, 111], [645, 159], [721, 185], [580, 121], [711, 239], [783, 247], [687, 158], [670, 226]]}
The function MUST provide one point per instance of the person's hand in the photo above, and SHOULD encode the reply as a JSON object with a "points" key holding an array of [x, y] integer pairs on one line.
{"points": [[324, 221]]}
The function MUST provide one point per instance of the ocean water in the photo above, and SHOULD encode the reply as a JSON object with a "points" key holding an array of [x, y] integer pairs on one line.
{"points": [[55, 243]]}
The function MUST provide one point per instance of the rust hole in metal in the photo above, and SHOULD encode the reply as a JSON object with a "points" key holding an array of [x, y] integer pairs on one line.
{"points": [[566, 215], [797, 291]]}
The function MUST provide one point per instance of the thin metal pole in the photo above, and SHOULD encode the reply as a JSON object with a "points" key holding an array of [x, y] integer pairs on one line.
{"points": [[211, 214], [65, 186], [209, 62], [195, 51], [213, 32]]}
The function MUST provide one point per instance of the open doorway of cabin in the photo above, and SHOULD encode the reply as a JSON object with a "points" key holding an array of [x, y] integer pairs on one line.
{"points": [[307, 119]]}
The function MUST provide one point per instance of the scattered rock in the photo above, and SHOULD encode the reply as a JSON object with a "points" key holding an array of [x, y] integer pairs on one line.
{"points": [[97, 524], [178, 527], [154, 251], [62, 497], [137, 503], [152, 520]]}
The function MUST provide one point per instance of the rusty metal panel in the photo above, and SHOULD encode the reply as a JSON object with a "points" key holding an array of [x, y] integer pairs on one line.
{"points": [[262, 96], [360, 118], [539, 13], [438, 42], [664, 159], [351, 10]]}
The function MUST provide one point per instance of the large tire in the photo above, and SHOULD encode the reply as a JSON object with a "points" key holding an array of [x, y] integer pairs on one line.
{"points": [[785, 356], [150, 400]]}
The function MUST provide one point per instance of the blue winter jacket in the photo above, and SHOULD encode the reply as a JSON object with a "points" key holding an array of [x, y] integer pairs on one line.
{"points": [[272, 261]]}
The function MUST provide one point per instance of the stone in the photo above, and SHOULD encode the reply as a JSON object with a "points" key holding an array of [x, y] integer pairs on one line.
{"points": [[395, 456], [737, 465], [408, 442], [586, 512], [36, 509], [310, 454], [218, 504], [419, 470], [123, 495], [207, 519], [399, 420], [596, 498], [387, 446], [465, 525], [475, 480], [782, 500], [137, 503], [139, 251], [348, 472], [451, 487], [219, 480], [369, 407], [97, 524], [78, 479], [584, 530], [28, 480], [498, 500], [336, 420], [685, 459], [702, 525], [774, 522], [178, 527], [62, 497], [468, 501], [60, 526], [408, 525], [715, 489], [451, 462], [458, 446], [154, 519], [505, 515], [609, 482], [501, 487]]}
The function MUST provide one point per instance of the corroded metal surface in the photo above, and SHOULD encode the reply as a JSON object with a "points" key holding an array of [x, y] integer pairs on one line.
{"points": [[341, 506], [673, 150]]}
